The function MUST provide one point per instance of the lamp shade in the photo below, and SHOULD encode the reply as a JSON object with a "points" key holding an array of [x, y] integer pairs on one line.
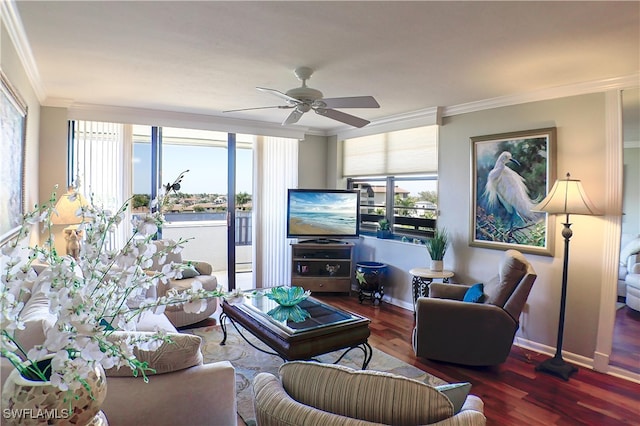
{"points": [[567, 197], [67, 208]]}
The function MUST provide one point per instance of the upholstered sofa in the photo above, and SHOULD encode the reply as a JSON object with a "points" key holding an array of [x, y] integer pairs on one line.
{"points": [[309, 393], [183, 391]]}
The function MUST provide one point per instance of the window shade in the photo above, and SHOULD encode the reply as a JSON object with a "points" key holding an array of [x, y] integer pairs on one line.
{"points": [[102, 154], [394, 153], [276, 170]]}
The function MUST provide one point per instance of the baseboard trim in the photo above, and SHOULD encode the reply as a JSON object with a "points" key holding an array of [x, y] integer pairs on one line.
{"points": [[548, 350]]}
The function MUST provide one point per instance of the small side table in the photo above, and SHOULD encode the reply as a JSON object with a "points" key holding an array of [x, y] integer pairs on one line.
{"points": [[422, 277]]}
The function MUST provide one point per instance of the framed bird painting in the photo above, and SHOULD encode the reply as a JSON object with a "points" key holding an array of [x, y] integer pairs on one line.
{"points": [[511, 173]]}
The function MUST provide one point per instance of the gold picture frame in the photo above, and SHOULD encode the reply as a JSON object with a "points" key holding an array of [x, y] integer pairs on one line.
{"points": [[511, 173], [13, 128]]}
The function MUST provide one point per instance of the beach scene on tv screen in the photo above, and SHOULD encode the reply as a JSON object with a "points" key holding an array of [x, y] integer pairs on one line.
{"points": [[313, 213]]}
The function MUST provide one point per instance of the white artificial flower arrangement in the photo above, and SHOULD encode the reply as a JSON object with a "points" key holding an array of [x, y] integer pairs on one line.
{"points": [[108, 295]]}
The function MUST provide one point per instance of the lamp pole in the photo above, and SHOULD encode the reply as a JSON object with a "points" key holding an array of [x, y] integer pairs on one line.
{"points": [[556, 365]]}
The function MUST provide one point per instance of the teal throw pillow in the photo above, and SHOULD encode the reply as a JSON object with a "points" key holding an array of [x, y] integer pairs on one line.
{"points": [[457, 394], [475, 294]]}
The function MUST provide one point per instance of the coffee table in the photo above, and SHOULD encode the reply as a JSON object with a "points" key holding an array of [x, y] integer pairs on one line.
{"points": [[327, 329]]}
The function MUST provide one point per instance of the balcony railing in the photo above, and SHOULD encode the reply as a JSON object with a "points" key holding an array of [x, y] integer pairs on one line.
{"points": [[207, 236]]}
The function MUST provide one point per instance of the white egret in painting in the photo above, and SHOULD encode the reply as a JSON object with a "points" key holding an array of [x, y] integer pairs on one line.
{"points": [[508, 187]]}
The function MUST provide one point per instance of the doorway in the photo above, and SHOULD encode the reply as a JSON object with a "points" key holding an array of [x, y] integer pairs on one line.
{"points": [[218, 225], [626, 344]]}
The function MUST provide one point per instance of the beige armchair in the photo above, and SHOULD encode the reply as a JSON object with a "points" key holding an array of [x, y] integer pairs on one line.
{"points": [[176, 314], [479, 334], [310, 393]]}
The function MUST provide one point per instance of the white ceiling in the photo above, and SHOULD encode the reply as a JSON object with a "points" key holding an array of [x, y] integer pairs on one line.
{"points": [[207, 56]]}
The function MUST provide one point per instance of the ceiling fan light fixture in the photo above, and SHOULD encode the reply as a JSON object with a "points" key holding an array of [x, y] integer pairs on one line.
{"points": [[303, 107], [305, 94]]}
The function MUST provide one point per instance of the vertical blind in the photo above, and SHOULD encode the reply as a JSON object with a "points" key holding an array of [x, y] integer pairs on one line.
{"points": [[276, 171], [102, 156], [394, 153]]}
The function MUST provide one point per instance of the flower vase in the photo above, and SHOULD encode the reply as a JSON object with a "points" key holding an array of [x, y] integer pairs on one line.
{"points": [[33, 402], [436, 265]]}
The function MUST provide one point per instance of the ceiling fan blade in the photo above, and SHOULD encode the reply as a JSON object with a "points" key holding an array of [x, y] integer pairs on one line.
{"points": [[293, 117], [265, 107], [349, 102], [279, 94], [352, 120]]}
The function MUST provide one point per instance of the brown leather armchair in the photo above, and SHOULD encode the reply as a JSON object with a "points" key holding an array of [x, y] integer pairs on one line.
{"points": [[479, 334]]}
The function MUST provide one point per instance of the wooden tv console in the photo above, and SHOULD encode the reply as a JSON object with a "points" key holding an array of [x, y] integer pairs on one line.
{"points": [[322, 267]]}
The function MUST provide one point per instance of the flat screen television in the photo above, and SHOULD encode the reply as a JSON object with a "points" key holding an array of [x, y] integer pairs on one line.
{"points": [[323, 214]]}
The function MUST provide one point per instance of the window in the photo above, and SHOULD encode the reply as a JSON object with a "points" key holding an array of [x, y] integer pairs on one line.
{"points": [[397, 174], [413, 202], [219, 164]]}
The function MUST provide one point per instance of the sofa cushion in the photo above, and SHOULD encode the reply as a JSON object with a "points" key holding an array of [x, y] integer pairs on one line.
{"points": [[373, 396], [36, 316], [511, 270], [149, 321], [632, 247], [182, 352]]}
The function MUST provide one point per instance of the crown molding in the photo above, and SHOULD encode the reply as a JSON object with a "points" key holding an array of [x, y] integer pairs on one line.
{"points": [[615, 83], [11, 18], [78, 111], [430, 116], [419, 118]]}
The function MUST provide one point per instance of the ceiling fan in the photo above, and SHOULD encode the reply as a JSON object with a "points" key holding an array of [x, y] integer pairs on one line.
{"points": [[303, 99]]}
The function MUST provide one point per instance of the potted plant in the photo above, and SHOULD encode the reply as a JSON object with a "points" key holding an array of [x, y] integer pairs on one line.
{"points": [[384, 229], [437, 247]]}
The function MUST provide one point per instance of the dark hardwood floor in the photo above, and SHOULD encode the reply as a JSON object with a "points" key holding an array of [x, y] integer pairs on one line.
{"points": [[626, 340], [513, 393]]}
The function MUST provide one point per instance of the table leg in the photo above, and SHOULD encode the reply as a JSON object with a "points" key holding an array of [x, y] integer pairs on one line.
{"points": [[367, 351], [420, 287], [223, 326], [241, 334]]}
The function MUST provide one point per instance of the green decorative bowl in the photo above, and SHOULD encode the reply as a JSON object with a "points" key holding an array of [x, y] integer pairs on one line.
{"points": [[287, 296], [289, 313]]}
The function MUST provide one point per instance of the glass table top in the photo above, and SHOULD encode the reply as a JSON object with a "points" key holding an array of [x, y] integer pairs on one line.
{"points": [[317, 314]]}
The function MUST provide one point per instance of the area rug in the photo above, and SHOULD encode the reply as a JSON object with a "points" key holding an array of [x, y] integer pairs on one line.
{"points": [[248, 362]]}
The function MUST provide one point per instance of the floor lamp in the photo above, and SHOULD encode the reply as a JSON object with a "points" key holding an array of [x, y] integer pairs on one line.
{"points": [[566, 197]]}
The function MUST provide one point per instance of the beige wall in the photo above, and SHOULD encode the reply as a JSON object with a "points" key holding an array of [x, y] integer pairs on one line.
{"points": [[53, 151], [312, 161]]}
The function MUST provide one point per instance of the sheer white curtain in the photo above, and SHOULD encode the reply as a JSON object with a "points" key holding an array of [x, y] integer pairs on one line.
{"points": [[102, 154], [276, 161]]}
